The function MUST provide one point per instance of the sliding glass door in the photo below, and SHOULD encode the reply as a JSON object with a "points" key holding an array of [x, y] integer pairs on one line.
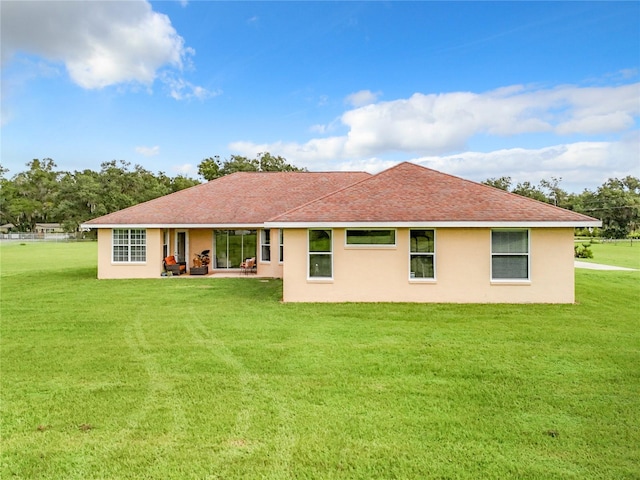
{"points": [[233, 247]]}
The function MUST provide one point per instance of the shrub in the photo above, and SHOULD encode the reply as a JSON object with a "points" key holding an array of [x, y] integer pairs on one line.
{"points": [[588, 232], [582, 251]]}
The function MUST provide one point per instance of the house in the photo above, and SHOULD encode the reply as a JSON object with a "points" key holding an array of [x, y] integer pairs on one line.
{"points": [[407, 234], [48, 228]]}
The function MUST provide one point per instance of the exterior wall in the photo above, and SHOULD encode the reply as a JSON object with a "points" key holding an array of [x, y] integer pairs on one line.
{"points": [[273, 268], [152, 268], [463, 270], [199, 240]]}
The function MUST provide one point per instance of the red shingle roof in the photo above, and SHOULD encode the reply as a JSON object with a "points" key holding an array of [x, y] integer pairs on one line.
{"points": [[241, 198], [412, 193], [404, 193]]}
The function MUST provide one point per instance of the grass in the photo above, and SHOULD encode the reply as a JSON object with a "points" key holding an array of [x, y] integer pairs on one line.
{"points": [[215, 378], [620, 254]]}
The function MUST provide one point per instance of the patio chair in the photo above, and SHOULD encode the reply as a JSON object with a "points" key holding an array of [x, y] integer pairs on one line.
{"points": [[171, 265], [248, 266]]}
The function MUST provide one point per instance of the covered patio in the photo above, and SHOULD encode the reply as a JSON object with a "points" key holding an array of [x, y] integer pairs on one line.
{"points": [[223, 274]]}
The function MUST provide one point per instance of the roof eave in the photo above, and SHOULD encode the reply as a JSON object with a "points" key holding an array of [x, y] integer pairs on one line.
{"points": [[171, 225], [441, 224], [418, 224]]}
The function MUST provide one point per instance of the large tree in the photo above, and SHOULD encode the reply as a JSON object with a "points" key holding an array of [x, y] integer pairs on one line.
{"points": [[238, 163], [79, 199], [209, 168], [43, 194], [617, 204], [33, 194], [269, 163], [503, 183], [212, 167], [527, 189]]}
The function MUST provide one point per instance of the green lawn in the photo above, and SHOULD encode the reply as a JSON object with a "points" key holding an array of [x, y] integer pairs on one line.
{"points": [[621, 254], [180, 378]]}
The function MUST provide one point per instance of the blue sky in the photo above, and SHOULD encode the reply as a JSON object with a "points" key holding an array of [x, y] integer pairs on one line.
{"points": [[477, 89]]}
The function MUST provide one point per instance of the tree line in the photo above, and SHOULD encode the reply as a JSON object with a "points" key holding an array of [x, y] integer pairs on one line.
{"points": [[213, 167], [616, 202], [43, 194]]}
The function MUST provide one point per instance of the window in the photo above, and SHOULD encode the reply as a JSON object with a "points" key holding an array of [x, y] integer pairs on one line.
{"points": [[371, 237], [510, 255], [281, 245], [165, 243], [265, 242], [233, 247], [320, 254], [129, 245], [422, 254]]}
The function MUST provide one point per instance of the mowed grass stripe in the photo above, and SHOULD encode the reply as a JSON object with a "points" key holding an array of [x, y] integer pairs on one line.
{"points": [[216, 378]]}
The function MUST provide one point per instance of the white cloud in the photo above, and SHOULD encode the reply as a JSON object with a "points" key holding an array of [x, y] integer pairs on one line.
{"points": [[148, 151], [580, 165], [438, 124], [316, 154], [362, 98], [600, 110], [186, 169], [181, 89], [325, 129], [100, 43], [427, 129], [6, 116], [445, 122], [371, 165], [321, 129]]}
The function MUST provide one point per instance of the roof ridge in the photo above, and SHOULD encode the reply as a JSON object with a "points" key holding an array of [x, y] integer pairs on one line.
{"points": [[406, 191], [444, 187], [328, 194], [286, 190], [491, 187], [507, 192], [154, 199], [324, 172], [171, 194], [372, 176]]}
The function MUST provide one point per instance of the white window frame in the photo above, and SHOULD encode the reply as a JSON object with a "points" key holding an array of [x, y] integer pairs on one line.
{"points": [[281, 244], [517, 254], [309, 253], [165, 242], [263, 233], [186, 245], [129, 241], [425, 254], [371, 245]]}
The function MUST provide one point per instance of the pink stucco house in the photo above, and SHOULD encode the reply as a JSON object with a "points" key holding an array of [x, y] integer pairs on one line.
{"points": [[407, 234]]}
